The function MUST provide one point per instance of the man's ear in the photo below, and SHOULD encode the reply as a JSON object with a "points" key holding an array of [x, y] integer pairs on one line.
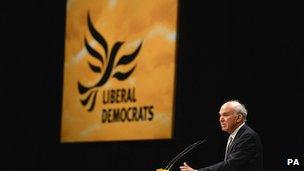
{"points": [[239, 118]]}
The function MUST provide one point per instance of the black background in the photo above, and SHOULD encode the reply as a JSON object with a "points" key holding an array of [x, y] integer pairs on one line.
{"points": [[251, 51]]}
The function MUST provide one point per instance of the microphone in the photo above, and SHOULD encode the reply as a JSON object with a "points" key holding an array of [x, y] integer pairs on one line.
{"points": [[181, 154]]}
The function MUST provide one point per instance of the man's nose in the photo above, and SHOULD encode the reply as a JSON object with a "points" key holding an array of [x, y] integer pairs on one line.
{"points": [[221, 119]]}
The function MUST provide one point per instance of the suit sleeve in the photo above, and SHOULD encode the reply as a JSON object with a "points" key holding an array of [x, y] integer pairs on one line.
{"points": [[243, 151]]}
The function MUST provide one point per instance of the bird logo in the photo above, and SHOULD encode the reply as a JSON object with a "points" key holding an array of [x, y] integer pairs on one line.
{"points": [[107, 65]]}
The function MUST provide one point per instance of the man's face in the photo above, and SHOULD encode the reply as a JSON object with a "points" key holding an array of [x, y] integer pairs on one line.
{"points": [[228, 118]]}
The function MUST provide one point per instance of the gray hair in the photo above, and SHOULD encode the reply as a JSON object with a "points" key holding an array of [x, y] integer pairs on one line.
{"points": [[239, 108]]}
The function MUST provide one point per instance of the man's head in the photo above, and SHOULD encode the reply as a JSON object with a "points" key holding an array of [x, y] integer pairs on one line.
{"points": [[232, 115]]}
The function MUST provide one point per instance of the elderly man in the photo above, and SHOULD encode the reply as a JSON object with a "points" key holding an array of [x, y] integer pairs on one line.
{"points": [[244, 149]]}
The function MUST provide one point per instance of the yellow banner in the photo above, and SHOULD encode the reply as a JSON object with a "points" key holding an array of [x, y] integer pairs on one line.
{"points": [[119, 70]]}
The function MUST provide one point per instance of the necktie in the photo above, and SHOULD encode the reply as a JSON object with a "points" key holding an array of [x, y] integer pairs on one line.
{"points": [[228, 146]]}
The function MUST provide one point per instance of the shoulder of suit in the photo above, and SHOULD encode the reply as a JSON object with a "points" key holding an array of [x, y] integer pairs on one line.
{"points": [[250, 132], [247, 130]]}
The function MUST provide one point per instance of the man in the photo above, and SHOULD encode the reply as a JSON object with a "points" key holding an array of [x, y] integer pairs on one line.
{"points": [[244, 149]]}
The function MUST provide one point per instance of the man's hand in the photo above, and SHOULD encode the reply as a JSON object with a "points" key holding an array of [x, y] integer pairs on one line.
{"points": [[185, 167]]}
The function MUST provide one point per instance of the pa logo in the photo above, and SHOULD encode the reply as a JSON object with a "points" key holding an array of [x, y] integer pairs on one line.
{"points": [[293, 162], [107, 68]]}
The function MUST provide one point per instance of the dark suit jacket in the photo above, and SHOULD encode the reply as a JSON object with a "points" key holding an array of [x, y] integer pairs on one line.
{"points": [[245, 154]]}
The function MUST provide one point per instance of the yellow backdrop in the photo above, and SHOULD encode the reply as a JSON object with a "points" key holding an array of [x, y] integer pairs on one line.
{"points": [[119, 70]]}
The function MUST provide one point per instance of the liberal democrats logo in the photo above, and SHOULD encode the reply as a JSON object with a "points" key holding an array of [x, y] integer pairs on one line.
{"points": [[107, 68]]}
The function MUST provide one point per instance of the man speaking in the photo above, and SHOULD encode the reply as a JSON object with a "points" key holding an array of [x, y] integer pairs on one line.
{"points": [[244, 149]]}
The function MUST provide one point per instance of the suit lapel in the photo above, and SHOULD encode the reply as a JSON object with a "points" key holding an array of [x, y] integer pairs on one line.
{"points": [[236, 138]]}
